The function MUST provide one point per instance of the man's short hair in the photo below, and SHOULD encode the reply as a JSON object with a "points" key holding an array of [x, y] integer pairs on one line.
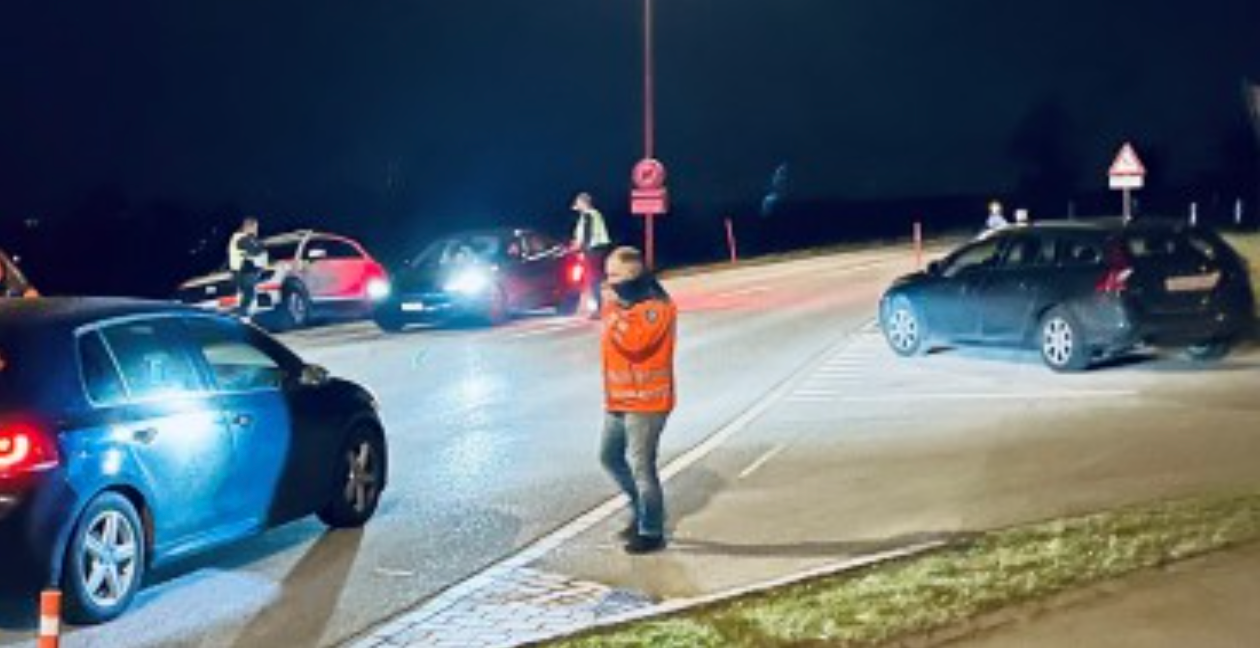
{"points": [[629, 258]]}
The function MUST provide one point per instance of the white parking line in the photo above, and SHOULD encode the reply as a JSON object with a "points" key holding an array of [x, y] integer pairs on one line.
{"points": [[981, 396], [762, 461], [815, 393]]}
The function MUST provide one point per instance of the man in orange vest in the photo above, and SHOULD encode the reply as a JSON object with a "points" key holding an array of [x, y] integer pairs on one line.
{"points": [[639, 331]]}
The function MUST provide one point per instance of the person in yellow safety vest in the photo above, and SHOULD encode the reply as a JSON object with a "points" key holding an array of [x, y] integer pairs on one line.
{"points": [[638, 341], [590, 237], [12, 282], [246, 259]]}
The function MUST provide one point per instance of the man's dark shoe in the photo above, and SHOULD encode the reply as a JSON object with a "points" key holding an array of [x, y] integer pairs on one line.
{"points": [[627, 534], [641, 544]]}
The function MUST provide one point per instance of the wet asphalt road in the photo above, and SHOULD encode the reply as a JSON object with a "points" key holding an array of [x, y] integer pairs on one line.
{"points": [[493, 436]]}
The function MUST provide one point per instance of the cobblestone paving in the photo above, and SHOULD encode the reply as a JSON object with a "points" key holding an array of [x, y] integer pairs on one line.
{"points": [[507, 608]]}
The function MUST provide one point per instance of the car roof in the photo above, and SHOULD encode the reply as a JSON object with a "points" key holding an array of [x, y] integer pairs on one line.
{"points": [[297, 236], [1105, 225], [49, 314]]}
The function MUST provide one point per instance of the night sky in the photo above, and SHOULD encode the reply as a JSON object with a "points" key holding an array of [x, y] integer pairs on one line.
{"points": [[417, 115]]}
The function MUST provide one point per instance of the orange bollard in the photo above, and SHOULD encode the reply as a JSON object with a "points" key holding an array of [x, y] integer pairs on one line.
{"points": [[49, 619]]}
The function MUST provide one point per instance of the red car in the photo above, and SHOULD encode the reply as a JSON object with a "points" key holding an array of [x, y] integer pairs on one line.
{"points": [[309, 275]]}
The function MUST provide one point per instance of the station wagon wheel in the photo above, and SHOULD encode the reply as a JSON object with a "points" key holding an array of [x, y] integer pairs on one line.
{"points": [[1063, 345], [903, 328], [105, 561], [1210, 351], [361, 472]]}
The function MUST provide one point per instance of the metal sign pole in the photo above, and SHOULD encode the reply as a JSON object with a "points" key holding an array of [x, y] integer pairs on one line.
{"points": [[649, 122]]}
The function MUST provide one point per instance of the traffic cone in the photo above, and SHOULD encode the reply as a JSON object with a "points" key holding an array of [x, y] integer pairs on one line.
{"points": [[49, 619]]}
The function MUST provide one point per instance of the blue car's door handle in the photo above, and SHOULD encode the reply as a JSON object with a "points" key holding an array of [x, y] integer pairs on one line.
{"points": [[242, 420], [145, 435]]}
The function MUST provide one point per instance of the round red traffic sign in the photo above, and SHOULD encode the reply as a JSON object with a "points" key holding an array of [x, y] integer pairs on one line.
{"points": [[648, 174]]}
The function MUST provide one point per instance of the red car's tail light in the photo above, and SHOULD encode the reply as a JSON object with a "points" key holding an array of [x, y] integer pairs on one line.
{"points": [[577, 272], [23, 449], [1119, 270]]}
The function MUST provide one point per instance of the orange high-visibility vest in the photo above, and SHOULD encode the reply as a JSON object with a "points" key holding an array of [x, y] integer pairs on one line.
{"points": [[638, 344]]}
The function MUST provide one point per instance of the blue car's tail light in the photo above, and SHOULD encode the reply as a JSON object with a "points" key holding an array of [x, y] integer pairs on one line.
{"points": [[24, 449]]}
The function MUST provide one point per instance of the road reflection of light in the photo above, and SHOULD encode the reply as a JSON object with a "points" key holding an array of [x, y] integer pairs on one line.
{"points": [[160, 614], [479, 395]]}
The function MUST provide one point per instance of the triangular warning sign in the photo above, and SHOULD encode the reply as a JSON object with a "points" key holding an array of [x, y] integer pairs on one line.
{"points": [[1127, 163]]}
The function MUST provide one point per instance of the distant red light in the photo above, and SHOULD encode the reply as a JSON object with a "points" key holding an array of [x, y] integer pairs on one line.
{"points": [[1119, 271]]}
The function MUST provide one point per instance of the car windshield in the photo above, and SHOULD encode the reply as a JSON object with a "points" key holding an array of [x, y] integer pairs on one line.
{"points": [[460, 250]]}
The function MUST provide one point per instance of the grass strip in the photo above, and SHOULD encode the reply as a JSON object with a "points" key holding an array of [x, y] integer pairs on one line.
{"points": [[942, 589]]}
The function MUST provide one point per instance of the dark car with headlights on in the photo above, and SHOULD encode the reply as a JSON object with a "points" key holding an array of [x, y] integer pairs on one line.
{"points": [[134, 433], [1079, 292], [485, 276]]}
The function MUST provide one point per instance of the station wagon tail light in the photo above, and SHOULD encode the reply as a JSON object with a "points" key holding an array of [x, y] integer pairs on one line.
{"points": [[24, 449], [1119, 270]]}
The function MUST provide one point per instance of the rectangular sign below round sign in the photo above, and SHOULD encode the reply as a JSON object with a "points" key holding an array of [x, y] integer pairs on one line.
{"points": [[649, 202], [1125, 181]]}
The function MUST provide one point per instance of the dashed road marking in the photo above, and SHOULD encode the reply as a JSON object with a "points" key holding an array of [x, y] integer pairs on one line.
{"points": [[762, 461], [741, 293], [547, 329]]}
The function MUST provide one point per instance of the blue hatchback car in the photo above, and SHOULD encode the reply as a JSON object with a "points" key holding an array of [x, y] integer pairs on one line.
{"points": [[134, 433]]}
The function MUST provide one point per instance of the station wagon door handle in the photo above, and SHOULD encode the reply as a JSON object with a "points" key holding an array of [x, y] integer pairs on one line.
{"points": [[242, 420], [144, 435]]}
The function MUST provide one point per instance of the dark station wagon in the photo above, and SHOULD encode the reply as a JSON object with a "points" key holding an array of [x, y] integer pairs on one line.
{"points": [[1078, 292]]}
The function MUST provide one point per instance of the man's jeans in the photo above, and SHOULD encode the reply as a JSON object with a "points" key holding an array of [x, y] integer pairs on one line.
{"points": [[629, 453]]}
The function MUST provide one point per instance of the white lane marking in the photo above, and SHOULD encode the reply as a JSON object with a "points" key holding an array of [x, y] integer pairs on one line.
{"points": [[740, 293], [394, 573], [833, 365], [980, 396], [762, 460], [546, 330], [815, 393], [861, 267]]}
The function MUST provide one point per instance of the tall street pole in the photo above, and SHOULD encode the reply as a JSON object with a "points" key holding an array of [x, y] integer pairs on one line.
{"points": [[649, 121]]}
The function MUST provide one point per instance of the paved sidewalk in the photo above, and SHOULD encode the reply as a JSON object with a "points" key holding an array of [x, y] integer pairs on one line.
{"points": [[1213, 602]]}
